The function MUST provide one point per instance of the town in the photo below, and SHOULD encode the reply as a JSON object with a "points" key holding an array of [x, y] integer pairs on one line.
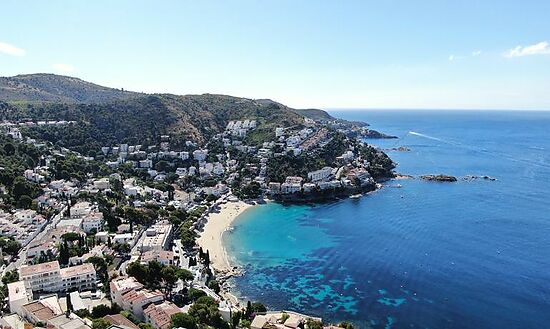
{"points": [[110, 241]]}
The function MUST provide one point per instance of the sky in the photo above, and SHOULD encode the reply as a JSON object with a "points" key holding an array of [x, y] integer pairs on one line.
{"points": [[429, 54]]}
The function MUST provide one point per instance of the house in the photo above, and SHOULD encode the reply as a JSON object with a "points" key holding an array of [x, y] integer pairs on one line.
{"points": [[41, 310], [70, 321], [12, 321], [33, 176], [200, 155], [281, 320], [289, 188], [309, 187], [274, 188], [123, 238], [135, 300], [102, 184], [165, 257], [18, 296], [119, 286], [92, 221], [160, 315], [80, 210], [120, 320]]}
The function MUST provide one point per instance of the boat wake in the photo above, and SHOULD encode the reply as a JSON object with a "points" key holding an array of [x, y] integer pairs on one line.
{"points": [[484, 151]]}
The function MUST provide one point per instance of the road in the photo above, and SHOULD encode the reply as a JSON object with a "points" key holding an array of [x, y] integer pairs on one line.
{"points": [[134, 252]]}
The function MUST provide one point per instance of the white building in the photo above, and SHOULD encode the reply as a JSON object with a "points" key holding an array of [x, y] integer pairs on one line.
{"points": [[319, 175], [157, 237], [289, 188], [200, 155], [92, 221], [81, 209], [49, 277], [18, 296], [102, 184]]}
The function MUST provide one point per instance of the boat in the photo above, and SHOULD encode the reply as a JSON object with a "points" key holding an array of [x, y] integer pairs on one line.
{"points": [[355, 196]]}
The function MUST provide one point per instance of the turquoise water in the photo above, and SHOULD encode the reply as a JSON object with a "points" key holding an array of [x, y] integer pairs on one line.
{"points": [[473, 254]]}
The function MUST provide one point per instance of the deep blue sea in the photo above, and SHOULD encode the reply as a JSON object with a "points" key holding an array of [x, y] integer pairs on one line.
{"points": [[471, 254]]}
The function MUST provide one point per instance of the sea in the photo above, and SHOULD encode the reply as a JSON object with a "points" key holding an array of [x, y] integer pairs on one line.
{"points": [[417, 254]]}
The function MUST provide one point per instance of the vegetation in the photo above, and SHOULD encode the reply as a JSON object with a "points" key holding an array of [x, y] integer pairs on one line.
{"points": [[9, 245], [205, 311], [154, 275], [15, 158]]}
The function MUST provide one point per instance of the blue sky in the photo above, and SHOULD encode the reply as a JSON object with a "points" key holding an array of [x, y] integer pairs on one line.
{"points": [[328, 54]]}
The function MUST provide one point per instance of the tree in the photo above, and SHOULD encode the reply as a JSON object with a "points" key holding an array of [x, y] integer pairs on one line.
{"points": [[24, 202], [184, 275], [314, 324], [10, 276], [83, 313], [122, 248], [9, 149], [9, 245], [100, 311], [183, 320], [214, 285], [154, 273], [194, 294], [64, 253], [69, 303], [345, 325], [236, 319], [207, 259], [138, 271], [248, 311], [205, 311], [258, 308], [169, 278], [143, 325], [100, 323]]}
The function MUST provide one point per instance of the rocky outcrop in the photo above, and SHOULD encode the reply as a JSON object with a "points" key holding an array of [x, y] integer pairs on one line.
{"points": [[439, 178]]}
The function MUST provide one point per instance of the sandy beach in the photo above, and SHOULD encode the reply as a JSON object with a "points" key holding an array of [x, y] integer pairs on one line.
{"points": [[211, 237]]}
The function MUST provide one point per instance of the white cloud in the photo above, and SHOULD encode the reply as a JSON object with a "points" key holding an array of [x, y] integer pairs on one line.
{"points": [[476, 53], [65, 68], [451, 58], [541, 48], [8, 49]]}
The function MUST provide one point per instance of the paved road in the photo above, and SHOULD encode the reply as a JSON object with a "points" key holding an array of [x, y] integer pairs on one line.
{"points": [[134, 252]]}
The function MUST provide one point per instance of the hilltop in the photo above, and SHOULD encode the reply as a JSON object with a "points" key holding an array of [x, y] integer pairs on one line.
{"points": [[43, 87]]}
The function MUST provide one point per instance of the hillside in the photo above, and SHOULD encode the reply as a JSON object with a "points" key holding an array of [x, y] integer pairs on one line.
{"points": [[107, 116], [139, 118], [315, 114], [57, 88]]}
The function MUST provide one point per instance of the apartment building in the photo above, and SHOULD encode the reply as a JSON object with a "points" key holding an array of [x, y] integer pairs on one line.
{"points": [[50, 277]]}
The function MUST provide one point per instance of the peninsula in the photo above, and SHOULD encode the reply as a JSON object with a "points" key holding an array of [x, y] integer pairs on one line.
{"points": [[134, 191]]}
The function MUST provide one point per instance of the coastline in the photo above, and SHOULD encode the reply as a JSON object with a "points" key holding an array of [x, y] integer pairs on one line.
{"points": [[216, 224]]}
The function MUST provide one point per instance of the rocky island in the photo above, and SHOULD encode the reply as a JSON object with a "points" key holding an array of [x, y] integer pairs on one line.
{"points": [[439, 178]]}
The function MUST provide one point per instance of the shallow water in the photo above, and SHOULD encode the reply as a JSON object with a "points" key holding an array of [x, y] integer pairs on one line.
{"points": [[471, 254]]}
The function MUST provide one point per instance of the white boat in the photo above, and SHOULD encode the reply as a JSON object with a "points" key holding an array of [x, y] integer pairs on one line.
{"points": [[355, 196]]}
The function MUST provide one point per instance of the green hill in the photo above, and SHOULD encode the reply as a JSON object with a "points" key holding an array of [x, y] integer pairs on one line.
{"points": [[44, 87], [107, 116]]}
